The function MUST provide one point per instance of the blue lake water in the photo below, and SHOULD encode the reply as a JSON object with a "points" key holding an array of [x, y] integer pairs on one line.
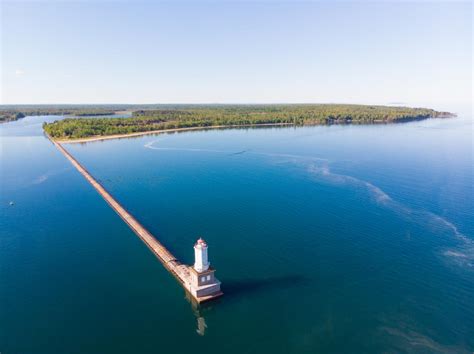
{"points": [[339, 239]]}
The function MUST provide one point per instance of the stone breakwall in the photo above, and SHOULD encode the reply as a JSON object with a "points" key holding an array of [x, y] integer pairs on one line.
{"points": [[179, 270]]}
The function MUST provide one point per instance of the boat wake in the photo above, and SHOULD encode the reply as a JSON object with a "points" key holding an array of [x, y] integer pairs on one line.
{"points": [[150, 145]]}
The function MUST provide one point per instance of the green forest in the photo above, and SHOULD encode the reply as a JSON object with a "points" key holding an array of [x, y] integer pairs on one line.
{"points": [[172, 117], [14, 112]]}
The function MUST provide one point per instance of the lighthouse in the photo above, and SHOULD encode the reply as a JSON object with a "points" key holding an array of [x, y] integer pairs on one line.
{"points": [[203, 283], [201, 263]]}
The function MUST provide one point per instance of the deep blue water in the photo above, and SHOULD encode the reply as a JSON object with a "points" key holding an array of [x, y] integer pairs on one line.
{"points": [[340, 239]]}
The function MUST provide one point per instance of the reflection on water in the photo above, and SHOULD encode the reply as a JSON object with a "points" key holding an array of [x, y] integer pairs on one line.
{"points": [[198, 313], [201, 325], [238, 288]]}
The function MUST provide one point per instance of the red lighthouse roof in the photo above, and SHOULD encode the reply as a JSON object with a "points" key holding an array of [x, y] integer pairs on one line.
{"points": [[201, 242]]}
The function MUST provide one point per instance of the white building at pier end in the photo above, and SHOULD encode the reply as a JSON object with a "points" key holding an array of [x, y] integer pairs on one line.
{"points": [[203, 284]]}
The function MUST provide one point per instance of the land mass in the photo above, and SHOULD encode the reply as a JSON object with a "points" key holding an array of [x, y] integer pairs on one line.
{"points": [[183, 117], [10, 113]]}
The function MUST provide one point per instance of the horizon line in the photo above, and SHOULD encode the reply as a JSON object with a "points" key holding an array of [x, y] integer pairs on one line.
{"points": [[208, 103]]}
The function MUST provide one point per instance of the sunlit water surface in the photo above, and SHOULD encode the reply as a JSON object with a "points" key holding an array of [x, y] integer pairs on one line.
{"points": [[347, 239]]}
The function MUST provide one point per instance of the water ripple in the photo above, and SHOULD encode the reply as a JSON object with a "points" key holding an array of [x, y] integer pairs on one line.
{"points": [[463, 255]]}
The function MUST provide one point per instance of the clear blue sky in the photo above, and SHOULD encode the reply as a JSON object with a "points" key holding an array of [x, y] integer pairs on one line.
{"points": [[235, 52]]}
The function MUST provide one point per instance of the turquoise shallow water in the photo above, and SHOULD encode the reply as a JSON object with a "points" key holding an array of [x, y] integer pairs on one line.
{"points": [[347, 239]]}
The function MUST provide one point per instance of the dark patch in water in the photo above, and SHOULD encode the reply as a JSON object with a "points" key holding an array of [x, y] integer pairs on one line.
{"points": [[239, 287]]}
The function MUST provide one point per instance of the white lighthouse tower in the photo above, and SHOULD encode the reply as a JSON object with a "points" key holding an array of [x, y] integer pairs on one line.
{"points": [[201, 263], [203, 283]]}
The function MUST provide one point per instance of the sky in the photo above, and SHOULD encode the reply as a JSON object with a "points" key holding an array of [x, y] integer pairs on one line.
{"points": [[236, 52]]}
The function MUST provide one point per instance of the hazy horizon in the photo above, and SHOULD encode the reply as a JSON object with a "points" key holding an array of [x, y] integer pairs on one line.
{"points": [[236, 53]]}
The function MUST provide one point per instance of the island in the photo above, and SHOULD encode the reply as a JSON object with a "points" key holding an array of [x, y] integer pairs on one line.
{"points": [[186, 117]]}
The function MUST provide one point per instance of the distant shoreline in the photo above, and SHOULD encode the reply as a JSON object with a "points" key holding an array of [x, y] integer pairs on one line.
{"points": [[176, 119], [150, 132], [202, 128]]}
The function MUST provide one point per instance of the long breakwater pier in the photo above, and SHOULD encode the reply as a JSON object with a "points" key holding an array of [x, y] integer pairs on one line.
{"points": [[200, 284]]}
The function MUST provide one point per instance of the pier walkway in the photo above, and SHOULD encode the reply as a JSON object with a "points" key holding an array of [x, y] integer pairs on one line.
{"points": [[179, 270]]}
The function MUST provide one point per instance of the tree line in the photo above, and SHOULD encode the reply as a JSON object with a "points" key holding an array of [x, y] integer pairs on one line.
{"points": [[14, 112], [184, 116]]}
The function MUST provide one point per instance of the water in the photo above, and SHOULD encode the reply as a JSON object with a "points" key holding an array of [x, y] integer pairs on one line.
{"points": [[348, 239]]}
